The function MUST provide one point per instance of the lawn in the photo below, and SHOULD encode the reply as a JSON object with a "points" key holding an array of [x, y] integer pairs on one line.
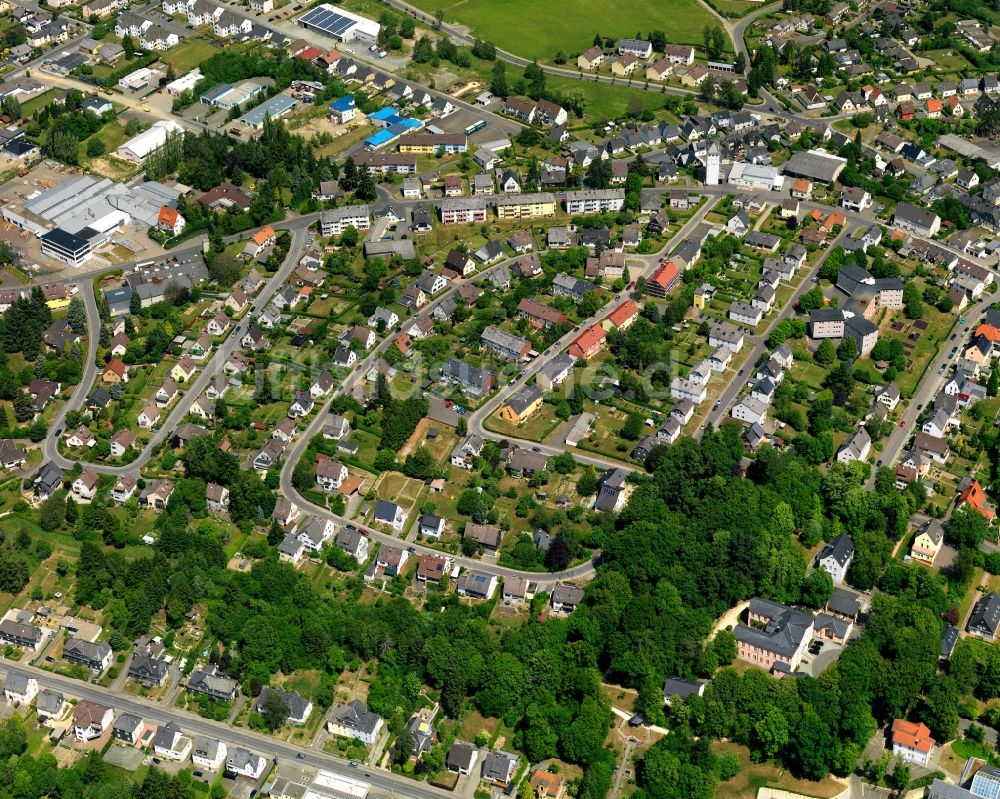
{"points": [[536, 428], [734, 8], [753, 776], [112, 135], [30, 107], [539, 30], [948, 61], [606, 101], [188, 54]]}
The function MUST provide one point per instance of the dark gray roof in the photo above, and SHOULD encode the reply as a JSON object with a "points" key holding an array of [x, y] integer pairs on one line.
{"points": [[949, 637], [355, 716], [843, 602], [499, 766], [784, 631], [682, 687], [945, 790], [567, 594], [986, 615], [460, 756], [840, 550], [385, 511], [839, 626], [127, 722], [293, 700]]}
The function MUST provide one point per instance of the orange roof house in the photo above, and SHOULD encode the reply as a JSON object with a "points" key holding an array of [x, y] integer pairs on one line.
{"points": [[663, 279], [548, 785], [168, 217], [403, 344], [115, 371], [263, 236], [992, 333], [833, 220], [911, 741], [309, 53], [975, 498], [802, 187], [624, 315], [933, 106], [588, 343]]}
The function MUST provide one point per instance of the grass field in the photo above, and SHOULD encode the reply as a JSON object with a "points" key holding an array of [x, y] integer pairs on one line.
{"points": [[188, 54], [606, 101], [734, 8], [948, 61], [46, 97], [753, 776], [539, 30], [112, 135]]}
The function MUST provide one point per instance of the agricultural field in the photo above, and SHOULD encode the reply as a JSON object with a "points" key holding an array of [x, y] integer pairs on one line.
{"points": [[539, 31]]}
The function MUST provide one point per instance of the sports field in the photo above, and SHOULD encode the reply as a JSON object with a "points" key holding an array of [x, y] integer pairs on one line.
{"points": [[539, 30]]}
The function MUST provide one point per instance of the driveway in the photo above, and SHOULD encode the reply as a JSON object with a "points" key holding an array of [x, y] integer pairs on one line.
{"points": [[817, 665]]}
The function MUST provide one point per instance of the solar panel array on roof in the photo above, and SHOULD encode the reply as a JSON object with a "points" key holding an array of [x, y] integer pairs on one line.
{"points": [[326, 19]]}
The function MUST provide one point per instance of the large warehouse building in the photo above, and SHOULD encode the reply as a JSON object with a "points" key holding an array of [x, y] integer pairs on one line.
{"points": [[340, 24], [81, 214], [138, 148]]}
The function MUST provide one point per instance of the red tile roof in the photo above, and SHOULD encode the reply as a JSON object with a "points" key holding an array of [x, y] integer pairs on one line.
{"points": [[623, 313], [665, 275], [168, 216], [913, 736], [588, 342], [262, 236]]}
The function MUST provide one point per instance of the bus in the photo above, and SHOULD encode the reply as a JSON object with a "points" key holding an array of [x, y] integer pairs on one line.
{"points": [[475, 126]]}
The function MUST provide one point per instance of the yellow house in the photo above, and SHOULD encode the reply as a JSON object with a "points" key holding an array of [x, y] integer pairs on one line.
{"points": [[183, 370], [522, 405], [625, 65], [526, 206], [703, 294], [695, 76], [927, 543]]}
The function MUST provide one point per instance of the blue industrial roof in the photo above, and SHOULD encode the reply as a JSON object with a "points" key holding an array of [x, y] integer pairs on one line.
{"points": [[381, 137], [387, 114]]}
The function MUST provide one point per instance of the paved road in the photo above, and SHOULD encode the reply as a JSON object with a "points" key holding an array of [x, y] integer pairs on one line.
{"points": [[192, 724], [89, 369], [649, 264], [195, 389], [770, 105], [759, 341], [932, 382], [359, 373], [298, 227], [129, 101]]}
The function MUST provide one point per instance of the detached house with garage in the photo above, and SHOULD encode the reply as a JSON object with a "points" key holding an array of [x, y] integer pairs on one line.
{"points": [[330, 474], [390, 513]]}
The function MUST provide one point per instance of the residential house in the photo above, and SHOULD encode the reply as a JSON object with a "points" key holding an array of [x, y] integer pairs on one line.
{"points": [[836, 557], [91, 720], [911, 742], [354, 720]]}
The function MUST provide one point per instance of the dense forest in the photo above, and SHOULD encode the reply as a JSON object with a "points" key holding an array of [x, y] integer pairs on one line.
{"points": [[695, 538]]}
